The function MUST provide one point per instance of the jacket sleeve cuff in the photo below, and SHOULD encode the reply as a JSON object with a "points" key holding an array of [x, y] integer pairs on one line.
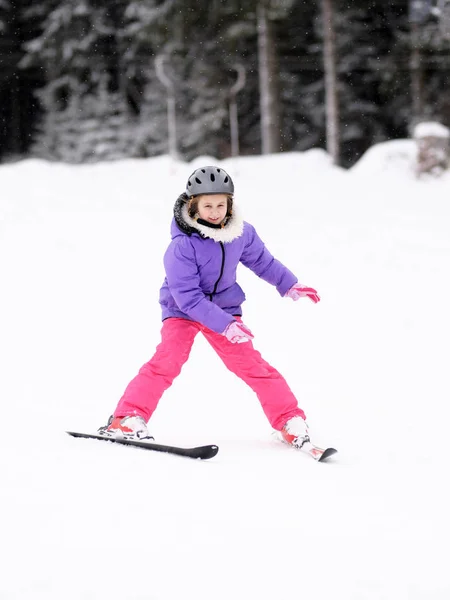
{"points": [[286, 284]]}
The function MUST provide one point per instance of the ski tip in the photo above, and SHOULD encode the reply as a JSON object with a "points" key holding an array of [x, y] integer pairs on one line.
{"points": [[78, 434], [326, 454], [73, 433], [208, 452]]}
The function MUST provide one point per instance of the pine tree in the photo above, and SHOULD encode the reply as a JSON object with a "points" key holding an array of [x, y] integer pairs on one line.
{"points": [[91, 127], [16, 100], [84, 89], [442, 11], [366, 76], [427, 47], [5, 9], [193, 63], [7, 45]]}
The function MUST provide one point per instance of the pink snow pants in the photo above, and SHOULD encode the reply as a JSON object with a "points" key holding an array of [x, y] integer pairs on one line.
{"points": [[142, 394]]}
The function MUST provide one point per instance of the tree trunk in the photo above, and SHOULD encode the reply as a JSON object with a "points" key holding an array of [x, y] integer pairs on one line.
{"points": [[417, 100], [268, 84], [331, 91], [234, 123], [171, 105]]}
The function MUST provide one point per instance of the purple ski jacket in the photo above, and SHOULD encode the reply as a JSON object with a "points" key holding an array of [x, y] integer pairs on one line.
{"points": [[201, 263]]}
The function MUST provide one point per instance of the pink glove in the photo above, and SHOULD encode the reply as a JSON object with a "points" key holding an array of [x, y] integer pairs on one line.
{"points": [[237, 333], [298, 291]]}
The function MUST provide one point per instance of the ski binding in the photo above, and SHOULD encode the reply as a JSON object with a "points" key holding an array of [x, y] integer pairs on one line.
{"points": [[319, 454]]}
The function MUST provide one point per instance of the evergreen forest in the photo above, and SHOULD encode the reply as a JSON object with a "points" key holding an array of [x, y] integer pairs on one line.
{"points": [[90, 80]]}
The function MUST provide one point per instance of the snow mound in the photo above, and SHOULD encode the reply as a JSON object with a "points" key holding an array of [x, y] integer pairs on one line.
{"points": [[431, 129], [396, 157]]}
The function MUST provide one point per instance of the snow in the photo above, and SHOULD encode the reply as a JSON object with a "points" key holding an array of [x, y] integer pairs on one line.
{"points": [[396, 158], [431, 129], [81, 265]]}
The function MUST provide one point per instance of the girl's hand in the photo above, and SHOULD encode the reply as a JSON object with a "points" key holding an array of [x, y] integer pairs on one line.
{"points": [[237, 333], [298, 291]]}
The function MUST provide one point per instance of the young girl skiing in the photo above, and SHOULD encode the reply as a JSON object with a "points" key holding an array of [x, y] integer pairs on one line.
{"points": [[200, 294]]}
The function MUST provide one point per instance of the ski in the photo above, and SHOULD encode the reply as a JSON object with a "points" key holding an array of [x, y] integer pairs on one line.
{"points": [[319, 454], [201, 452]]}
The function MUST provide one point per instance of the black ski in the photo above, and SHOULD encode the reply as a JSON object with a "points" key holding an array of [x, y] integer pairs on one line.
{"points": [[202, 452]]}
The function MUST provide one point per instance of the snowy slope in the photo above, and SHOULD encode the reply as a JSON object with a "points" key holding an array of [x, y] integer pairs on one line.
{"points": [[80, 268]]}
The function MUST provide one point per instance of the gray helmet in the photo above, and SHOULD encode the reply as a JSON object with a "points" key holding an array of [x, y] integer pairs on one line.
{"points": [[209, 180]]}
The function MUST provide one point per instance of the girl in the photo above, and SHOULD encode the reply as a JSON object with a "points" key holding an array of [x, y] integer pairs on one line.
{"points": [[200, 294]]}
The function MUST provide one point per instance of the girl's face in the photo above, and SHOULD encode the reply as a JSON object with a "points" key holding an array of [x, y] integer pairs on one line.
{"points": [[212, 208]]}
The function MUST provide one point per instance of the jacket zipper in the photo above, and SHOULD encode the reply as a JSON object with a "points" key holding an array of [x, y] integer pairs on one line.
{"points": [[221, 272]]}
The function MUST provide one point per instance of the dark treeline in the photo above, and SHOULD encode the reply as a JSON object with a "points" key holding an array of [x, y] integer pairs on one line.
{"points": [[85, 80]]}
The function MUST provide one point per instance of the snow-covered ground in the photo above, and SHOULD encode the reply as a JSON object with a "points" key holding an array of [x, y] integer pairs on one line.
{"points": [[80, 268]]}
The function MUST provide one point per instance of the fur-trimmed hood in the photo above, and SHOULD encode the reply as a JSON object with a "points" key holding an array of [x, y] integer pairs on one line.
{"points": [[233, 229]]}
